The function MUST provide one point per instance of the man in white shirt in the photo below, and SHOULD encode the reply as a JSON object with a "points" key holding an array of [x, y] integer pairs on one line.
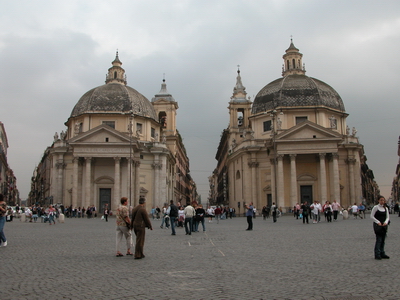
{"points": [[354, 210], [189, 214]]}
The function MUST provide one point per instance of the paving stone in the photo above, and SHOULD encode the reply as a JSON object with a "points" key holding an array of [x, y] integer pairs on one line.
{"points": [[283, 260]]}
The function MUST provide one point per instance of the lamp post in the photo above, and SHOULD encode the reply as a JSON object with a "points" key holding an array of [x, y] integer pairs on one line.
{"points": [[274, 122], [130, 156]]}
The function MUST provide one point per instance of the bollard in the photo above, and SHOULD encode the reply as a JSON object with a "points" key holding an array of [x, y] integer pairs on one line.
{"points": [[61, 218], [23, 218], [345, 214]]}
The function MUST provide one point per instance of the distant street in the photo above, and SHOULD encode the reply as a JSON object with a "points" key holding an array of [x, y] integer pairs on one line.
{"points": [[283, 260]]}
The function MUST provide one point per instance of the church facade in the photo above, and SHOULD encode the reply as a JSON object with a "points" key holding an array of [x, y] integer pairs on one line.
{"points": [[117, 144], [290, 145]]}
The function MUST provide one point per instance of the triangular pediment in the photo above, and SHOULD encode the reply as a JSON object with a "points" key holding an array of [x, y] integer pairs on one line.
{"points": [[308, 130], [101, 134]]}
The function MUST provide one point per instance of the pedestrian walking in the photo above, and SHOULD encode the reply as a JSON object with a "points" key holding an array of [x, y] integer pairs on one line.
{"points": [[106, 212], [249, 216], [380, 216], [123, 227], [140, 220], [274, 211], [305, 209], [189, 214], [3, 211], [173, 213], [335, 209]]}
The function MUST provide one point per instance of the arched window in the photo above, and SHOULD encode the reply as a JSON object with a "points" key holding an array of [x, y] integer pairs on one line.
{"points": [[294, 63], [237, 174], [115, 75]]}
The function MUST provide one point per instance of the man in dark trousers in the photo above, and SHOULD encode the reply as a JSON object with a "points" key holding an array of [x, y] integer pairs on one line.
{"points": [[172, 211], [249, 216], [140, 220]]}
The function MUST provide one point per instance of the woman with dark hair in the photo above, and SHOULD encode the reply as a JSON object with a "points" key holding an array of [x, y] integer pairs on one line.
{"points": [[3, 212], [380, 216]]}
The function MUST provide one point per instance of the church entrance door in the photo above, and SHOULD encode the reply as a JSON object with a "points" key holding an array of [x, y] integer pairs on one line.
{"points": [[306, 194], [105, 197]]}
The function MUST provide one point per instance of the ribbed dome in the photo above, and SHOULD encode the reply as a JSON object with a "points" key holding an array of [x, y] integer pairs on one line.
{"points": [[114, 97], [296, 90]]}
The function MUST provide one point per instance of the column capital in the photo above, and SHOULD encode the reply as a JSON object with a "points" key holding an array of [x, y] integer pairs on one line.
{"points": [[335, 155], [60, 165], [351, 161], [292, 156], [117, 159], [253, 164], [157, 166], [321, 155], [280, 157]]}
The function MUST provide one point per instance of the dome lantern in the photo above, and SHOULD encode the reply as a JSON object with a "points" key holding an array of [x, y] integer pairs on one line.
{"points": [[116, 74], [293, 61]]}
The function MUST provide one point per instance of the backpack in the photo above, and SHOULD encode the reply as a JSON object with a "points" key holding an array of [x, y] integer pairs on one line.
{"points": [[173, 212]]}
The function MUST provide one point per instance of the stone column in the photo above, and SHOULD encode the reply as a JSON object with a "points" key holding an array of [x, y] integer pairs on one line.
{"points": [[254, 186], [351, 162], [117, 183], [88, 183], [336, 182], [136, 194], [322, 177], [281, 192], [293, 180], [75, 181], [157, 167], [60, 168]]}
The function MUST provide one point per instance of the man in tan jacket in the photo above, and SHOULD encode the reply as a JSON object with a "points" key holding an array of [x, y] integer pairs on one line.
{"points": [[140, 220]]}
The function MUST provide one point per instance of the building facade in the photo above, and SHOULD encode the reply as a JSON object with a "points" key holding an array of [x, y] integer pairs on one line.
{"points": [[117, 143], [396, 180], [290, 145], [8, 181]]}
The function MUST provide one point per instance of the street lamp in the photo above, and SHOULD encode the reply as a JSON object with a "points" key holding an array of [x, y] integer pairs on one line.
{"points": [[275, 125], [130, 156]]}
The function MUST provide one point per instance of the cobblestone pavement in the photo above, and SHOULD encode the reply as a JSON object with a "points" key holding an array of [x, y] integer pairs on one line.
{"points": [[283, 260]]}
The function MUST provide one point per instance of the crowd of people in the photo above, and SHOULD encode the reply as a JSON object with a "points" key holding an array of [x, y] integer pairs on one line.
{"points": [[330, 211], [50, 213], [192, 215]]}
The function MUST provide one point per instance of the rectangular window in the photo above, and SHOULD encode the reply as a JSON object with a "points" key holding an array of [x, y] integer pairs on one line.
{"points": [[301, 120], [139, 128], [109, 123], [153, 132], [267, 125]]}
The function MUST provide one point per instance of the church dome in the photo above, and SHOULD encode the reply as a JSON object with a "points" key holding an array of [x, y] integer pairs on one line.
{"points": [[114, 97], [295, 89]]}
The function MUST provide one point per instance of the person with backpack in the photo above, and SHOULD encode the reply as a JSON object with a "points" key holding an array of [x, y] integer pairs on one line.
{"points": [[172, 211]]}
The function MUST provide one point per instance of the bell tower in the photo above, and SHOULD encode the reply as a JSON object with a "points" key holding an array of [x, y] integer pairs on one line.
{"points": [[166, 107], [239, 106]]}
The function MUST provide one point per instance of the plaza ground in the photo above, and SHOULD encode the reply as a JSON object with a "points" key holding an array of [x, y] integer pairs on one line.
{"points": [[283, 260]]}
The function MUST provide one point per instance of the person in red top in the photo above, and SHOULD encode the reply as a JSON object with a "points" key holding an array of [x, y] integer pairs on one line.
{"points": [[217, 213]]}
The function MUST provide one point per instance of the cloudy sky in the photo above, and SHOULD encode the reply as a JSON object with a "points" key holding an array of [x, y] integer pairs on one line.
{"points": [[52, 52]]}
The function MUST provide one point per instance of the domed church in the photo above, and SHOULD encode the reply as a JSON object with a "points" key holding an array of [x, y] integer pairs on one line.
{"points": [[290, 145], [117, 144]]}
